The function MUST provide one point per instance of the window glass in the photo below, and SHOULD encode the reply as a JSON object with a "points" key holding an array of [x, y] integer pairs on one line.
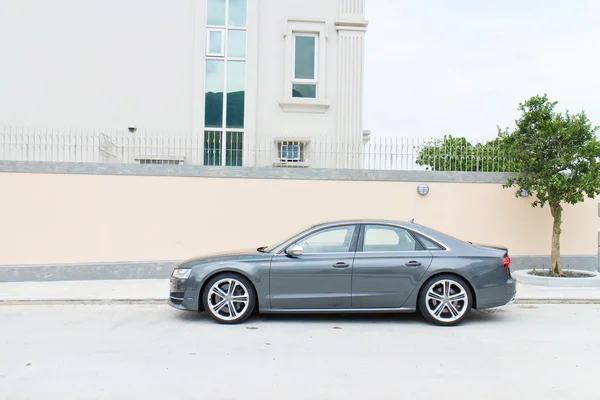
{"points": [[309, 91], [236, 80], [304, 57], [290, 152], [215, 12], [215, 42], [212, 148], [237, 12], [236, 43], [233, 150], [388, 238], [428, 244], [331, 240], [215, 81]]}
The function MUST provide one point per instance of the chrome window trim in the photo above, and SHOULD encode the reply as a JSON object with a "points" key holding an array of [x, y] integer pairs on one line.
{"points": [[281, 247], [350, 253], [392, 251]]}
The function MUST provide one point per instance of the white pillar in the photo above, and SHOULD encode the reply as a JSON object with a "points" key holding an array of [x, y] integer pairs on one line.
{"points": [[351, 27]]}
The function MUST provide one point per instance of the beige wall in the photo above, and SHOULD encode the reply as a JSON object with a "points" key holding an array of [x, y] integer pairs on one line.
{"points": [[53, 218]]}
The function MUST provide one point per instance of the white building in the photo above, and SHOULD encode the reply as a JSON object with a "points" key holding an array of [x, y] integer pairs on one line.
{"points": [[213, 82]]}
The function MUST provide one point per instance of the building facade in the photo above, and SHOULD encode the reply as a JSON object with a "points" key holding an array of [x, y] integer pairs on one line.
{"points": [[209, 82]]}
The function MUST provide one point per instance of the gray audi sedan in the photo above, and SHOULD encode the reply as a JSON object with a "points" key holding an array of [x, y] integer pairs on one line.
{"points": [[356, 266]]}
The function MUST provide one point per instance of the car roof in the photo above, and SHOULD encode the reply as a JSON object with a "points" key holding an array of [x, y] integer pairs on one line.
{"points": [[435, 234], [363, 221]]}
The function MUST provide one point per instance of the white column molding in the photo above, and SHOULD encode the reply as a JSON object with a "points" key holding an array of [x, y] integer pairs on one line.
{"points": [[251, 100], [352, 9], [197, 103], [351, 28]]}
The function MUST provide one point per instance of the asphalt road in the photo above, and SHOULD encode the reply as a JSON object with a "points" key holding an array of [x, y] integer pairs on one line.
{"points": [[155, 352]]}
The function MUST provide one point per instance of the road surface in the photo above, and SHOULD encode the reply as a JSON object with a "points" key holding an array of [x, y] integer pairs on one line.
{"points": [[155, 352]]}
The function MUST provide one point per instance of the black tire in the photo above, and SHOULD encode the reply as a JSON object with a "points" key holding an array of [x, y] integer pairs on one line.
{"points": [[222, 315], [451, 312]]}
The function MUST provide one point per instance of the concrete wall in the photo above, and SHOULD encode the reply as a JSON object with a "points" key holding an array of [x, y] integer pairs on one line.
{"points": [[101, 217]]}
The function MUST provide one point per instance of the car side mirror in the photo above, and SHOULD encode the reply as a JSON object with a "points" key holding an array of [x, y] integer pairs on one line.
{"points": [[294, 250]]}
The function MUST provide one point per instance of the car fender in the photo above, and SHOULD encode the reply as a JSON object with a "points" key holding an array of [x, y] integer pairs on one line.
{"points": [[256, 273], [411, 301]]}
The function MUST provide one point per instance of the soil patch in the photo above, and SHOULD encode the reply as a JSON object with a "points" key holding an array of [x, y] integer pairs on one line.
{"points": [[566, 274]]}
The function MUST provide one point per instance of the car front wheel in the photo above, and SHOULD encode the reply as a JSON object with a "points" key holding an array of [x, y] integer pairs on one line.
{"points": [[445, 300], [229, 298]]}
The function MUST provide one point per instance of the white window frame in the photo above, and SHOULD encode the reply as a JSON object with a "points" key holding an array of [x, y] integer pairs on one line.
{"points": [[223, 33], [304, 27], [301, 143], [223, 130], [299, 81], [295, 148]]}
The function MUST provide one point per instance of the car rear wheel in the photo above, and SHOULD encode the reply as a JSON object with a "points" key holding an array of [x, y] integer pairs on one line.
{"points": [[445, 300], [229, 298]]}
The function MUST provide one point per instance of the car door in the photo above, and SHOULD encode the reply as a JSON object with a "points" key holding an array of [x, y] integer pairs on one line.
{"points": [[388, 264], [319, 278]]}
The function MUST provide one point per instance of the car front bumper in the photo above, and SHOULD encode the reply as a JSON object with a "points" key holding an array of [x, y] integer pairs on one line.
{"points": [[182, 295]]}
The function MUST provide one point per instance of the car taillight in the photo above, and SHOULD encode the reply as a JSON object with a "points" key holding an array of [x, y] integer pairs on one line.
{"points": [[506, 262]]}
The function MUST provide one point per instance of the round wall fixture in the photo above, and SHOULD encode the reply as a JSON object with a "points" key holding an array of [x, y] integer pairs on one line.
{"points": [[423, 189]]}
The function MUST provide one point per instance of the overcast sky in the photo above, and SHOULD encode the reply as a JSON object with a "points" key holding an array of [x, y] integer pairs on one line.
{"points": [[461, 67]]}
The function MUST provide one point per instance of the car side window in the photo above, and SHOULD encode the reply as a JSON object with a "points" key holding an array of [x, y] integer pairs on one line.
{"points": [[388, 238], [330, 240], [428, 244]]}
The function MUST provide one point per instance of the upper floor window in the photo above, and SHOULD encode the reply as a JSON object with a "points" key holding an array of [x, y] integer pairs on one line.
{"points": [[305, 78], [306, 68], [220, 11], [225, 82]]}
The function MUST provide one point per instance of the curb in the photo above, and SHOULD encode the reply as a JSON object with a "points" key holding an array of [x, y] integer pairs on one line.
{"points": [[22, 302], [557, 301], [164, 301], [522, 276]]}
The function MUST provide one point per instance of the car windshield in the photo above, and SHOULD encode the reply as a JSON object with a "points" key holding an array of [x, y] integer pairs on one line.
{"points": [[268, 249]]}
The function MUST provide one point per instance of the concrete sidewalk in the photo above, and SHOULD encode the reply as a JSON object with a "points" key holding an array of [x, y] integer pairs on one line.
{"points": [[157, 290]]}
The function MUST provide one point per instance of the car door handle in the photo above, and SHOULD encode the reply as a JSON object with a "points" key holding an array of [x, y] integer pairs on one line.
{"points": [[413, 264], [341, 265]]}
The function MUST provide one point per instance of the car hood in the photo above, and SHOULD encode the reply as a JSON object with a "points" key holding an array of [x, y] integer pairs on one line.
{"points": [[238, 255]]}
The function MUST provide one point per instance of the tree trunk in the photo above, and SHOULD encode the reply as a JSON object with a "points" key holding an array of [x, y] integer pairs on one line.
{"points": [[556, 210]]}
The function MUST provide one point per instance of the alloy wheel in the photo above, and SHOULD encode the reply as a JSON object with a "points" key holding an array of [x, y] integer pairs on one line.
{"points": [[446, 300], [228, 299]]}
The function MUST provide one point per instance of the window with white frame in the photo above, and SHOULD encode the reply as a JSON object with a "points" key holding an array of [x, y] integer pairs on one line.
{"points": [[291, 152], [225, 83], [306, 55], [215, 45]]}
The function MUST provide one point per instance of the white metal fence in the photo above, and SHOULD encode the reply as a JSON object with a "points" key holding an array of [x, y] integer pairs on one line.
{"points": [[232, 149]]}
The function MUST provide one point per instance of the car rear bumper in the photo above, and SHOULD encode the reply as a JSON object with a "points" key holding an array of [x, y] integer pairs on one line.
{"points": [[497, 295]]}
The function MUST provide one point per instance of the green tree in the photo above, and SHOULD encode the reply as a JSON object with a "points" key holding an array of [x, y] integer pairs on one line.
{"points": [[557, 158], [458, 154]]}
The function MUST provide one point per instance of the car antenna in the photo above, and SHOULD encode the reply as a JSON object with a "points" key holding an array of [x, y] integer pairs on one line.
{"points": [[412, 221]]}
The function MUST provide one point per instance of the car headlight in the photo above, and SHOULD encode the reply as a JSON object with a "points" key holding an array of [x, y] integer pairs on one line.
{"points": [[181, 273]]}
